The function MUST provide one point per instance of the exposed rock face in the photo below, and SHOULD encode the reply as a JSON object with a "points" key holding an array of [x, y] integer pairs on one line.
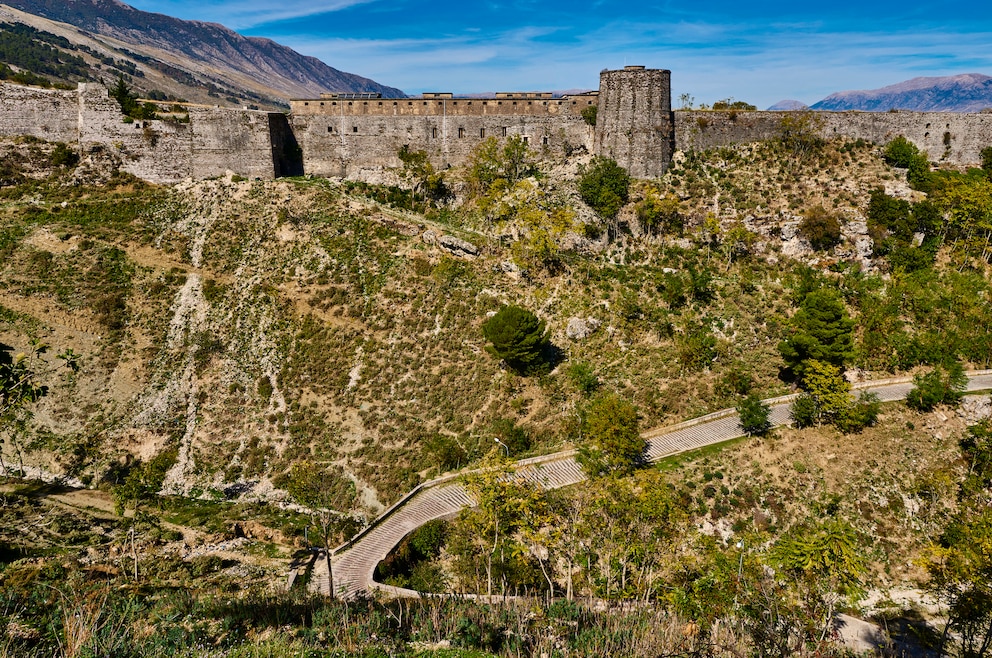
{"points": [[457, 246], [581, 328]]}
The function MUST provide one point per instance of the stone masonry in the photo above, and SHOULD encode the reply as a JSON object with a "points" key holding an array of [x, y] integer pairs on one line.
{"points": [[342, 135]]}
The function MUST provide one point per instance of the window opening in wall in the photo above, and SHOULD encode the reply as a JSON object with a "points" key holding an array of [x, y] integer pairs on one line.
{"points": [[485, 102], [354, 129], [514, 102], [573, 103], [334, 103], [454, 103], [461, 133], [322, 105], [504, 131], [434, 133], [545, 141], [526, 139], [499, 102], [530, 102], [305, 104], [365, 103], [330, 129], [350, 103], [380, 102], [394, 103], [425, 102], [410, 103], [482, 133]]}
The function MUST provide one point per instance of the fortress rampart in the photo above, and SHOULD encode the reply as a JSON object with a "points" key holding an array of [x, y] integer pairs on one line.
{"points": [[340, 134]]}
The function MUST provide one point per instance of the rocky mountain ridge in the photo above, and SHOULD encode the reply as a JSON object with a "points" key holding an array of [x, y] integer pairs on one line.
{"points": [[189, 53], [969, 92]]}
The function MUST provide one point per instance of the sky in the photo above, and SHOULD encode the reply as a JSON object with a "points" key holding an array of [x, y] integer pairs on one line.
{"points": [[760, 53]]}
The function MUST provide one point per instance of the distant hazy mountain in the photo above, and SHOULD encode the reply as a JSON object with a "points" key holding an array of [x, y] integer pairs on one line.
{"points": [[786, 106], [206, 50], [970, 92]]}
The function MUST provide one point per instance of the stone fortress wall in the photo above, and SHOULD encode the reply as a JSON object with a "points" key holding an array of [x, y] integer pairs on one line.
{"points": [[338, 136], [213, 142], [341, 135]]}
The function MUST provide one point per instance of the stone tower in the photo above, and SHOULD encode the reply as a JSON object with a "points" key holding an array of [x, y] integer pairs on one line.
{"points": [[634, 124]]}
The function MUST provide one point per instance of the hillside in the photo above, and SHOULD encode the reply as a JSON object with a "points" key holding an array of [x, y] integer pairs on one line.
{"points": [[970, 92], [230, 337], [200, 62]]}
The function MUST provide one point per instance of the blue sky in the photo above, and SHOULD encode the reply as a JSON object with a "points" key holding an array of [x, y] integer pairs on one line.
{"points": [[760, 53]]}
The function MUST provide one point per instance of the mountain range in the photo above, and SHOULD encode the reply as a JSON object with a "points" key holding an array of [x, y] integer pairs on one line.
{"points": [[194, 59], [968, 92]]}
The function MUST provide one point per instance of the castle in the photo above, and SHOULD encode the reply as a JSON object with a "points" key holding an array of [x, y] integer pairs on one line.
{"points": [[344, 134]]}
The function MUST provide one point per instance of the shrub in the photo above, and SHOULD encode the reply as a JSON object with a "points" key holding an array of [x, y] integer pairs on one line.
{"points": [[605, 186], [939, 386], [517, 337], [589, 114], [584, 377], [821, 227]]}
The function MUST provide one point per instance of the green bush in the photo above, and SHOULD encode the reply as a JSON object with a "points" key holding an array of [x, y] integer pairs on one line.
{"points": [[821, 227], [942, 385], [589, 114], [605, 186]]}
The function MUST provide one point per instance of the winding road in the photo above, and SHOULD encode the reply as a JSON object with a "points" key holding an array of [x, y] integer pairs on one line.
{"points": [[354, 563]]}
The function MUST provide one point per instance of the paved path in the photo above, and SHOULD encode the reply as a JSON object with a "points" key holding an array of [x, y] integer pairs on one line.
{"points": [[354, 563]]}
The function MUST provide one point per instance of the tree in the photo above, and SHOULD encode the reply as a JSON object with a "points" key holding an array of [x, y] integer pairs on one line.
{"points": [[826, 399], [611, 438], [20, 387], [825, 565], [326, 493], [826, 394], [495, 164], [505, 505], [121, 92], [427, 182], [821, 330], [517, 337], [605, 186], [754, 416], [986, 156], [141, 485], [660, 213]]}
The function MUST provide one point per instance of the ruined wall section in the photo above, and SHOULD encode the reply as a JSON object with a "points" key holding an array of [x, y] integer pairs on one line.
{"points": [[49, 114], [341, 144], [231, 140], [155, 151], [634, 125], [950, 137]]}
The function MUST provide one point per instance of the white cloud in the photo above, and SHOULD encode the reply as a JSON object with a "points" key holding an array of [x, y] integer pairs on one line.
{"points": [[242, 15]]}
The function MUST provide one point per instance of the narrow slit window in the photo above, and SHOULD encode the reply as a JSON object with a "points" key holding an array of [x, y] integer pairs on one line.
{"points": [[461, 133], [482, 133], [354, 129]]}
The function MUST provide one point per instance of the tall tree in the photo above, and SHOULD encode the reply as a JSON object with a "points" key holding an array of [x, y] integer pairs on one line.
{"points": [[821, 331], [518, 337], [611, 438]]}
